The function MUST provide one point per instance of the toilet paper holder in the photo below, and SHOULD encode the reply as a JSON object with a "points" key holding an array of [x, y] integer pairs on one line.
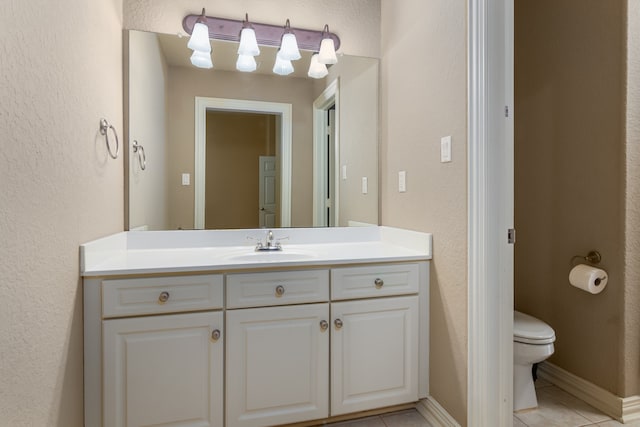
{"points": [[592, 257]]}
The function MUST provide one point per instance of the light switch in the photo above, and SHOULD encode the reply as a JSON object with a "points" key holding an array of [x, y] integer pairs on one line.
{"points": [[344, 172], [402, 181], [445, 149], [365, 185], [186, 179]]}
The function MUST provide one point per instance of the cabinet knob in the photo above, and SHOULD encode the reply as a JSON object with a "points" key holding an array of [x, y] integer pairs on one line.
{"points": [[338, 323], [324, 325], [378, 282], [279, 290], [164, 297], [215, 335]]}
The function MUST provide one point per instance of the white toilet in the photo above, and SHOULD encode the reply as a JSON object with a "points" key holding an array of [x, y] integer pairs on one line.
{"points": [[532, 343]]}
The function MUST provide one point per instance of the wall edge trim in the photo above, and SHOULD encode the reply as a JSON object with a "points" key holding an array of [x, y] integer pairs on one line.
{"points": [[435, 414], [623, 409]]}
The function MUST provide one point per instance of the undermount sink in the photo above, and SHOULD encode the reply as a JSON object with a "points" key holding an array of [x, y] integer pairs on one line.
{"points": [[266, 256]]}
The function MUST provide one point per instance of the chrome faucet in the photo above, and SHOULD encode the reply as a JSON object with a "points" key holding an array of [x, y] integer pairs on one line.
{"points": [[269, 244]]}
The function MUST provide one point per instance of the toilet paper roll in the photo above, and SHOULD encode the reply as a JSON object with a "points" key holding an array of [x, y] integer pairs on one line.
{"points": [[588, 278]]}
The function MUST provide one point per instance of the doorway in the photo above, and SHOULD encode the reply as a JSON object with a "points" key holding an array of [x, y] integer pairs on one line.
{"points": [[283, 145]]}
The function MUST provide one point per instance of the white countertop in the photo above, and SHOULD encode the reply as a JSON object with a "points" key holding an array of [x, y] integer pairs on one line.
{"points": [[148, 252]]}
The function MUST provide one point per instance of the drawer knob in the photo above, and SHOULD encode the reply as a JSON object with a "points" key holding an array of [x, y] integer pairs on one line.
{"points": [[279, 290], [378, 282], [338, 323], [324, 325], [215, 335], [164, 297]]}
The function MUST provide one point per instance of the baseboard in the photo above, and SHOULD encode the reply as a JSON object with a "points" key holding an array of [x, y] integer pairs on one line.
{"points": [[435, 414], [623, 409]]}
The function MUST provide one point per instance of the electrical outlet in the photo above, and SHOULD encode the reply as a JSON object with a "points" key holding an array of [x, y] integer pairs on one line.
{"points": [[445, 149], [402, 181]]}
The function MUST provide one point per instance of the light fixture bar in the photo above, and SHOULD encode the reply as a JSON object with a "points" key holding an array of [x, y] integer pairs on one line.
{"points": [[266, 34]]}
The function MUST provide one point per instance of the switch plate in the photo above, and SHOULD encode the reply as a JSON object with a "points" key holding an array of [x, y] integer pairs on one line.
{"points": [[365, 185], [402, 181], [344, 172], [445, 149], [186, 179]]}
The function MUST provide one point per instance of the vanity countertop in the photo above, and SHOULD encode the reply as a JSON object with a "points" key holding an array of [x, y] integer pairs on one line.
{"points": [[149, 252]]}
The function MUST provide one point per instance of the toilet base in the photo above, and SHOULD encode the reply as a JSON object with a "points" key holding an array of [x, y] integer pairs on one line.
{"points": [[524, 391]]}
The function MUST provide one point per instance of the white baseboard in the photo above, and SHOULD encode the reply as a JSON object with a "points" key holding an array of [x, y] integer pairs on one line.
{"points": [[435, 414], [623, 409]]}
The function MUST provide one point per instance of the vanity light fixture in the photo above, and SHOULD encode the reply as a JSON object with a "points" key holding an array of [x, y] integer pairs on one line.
{"points": [[327, 54], [317, 69], [248, 42], [251, 35], [289, 46], [282, 67]]}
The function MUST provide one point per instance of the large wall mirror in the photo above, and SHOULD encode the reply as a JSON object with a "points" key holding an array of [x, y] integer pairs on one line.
{"points": [[222, 149]]}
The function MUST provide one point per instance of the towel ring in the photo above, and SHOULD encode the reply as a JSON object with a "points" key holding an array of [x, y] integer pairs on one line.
{"points": [[104, 130], [139, 150]]}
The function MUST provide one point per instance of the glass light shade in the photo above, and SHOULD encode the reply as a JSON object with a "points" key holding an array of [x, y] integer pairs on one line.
{"points": [[246, 63], [289, 47], [200, 38], [317, 70], [327, 54], [201, 59], [282, 67], [248, 43]]}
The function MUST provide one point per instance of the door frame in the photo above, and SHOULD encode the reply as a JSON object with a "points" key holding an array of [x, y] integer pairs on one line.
{"points": [[283, 148], [490, 213], [330, 96]]}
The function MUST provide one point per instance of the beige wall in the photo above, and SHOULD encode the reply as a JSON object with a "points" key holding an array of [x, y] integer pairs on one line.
{"points": [[423, 73], [61, 71], [187, 83], [235, 142], [357, 22], [358, 137], [631, 351], [569, 176], [147, 80]]}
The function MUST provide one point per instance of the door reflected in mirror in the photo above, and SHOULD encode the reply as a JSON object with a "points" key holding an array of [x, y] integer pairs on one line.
{"points": [[303, 153]]}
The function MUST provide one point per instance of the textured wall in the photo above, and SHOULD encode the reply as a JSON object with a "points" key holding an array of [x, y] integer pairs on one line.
{"points": [[631, 354], [148, 74], [423, 81], [569, 175], [357, 22], [61, 68]]}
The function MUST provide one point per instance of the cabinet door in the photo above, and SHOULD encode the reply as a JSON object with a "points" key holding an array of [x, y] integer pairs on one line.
{"points": [[164, 370], [374, 353], [277, 365]]}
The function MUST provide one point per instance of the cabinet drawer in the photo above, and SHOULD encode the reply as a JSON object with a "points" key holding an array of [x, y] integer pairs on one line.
{"points": [[374, 281], [277, 288], [130, 297]]}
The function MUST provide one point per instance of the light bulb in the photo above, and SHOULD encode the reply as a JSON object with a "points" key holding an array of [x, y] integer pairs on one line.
{"points": [[248, 43], [200, 38], [289, 47], [317, 70], [201, 59], [246, 63], [282, 67], [327, 53]]}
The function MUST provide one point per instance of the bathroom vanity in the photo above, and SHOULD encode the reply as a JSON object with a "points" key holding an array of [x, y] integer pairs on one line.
{"points": [[196, 328]]}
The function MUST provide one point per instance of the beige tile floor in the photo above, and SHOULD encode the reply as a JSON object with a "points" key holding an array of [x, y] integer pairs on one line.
{"points": [[557, 408], [408, 418]]}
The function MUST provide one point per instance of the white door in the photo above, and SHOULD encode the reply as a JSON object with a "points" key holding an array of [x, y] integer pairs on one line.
{"points": [[163, 370], [268, 203], [277, 365], [374, 353]]}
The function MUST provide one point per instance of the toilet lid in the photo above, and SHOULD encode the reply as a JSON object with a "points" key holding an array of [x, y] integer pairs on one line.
{"points": [[529, 330]]}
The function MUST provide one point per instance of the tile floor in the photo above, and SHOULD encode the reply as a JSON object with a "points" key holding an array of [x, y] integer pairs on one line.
{"points": [[408, 418], [557, 408]]}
